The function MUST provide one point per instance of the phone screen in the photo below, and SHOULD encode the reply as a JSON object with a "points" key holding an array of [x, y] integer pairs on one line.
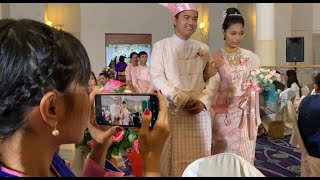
{"points": [[125, 109]]}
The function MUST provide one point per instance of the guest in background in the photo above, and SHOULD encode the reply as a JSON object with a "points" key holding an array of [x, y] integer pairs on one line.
{"points": [[308, 120], [279, 86], [112, 63], [120, 69], [268, 97], [141, 75], [293, 83], [268, 101], [136, 119], [111, 73], [93, 83], [133, 63], [103, 78]]}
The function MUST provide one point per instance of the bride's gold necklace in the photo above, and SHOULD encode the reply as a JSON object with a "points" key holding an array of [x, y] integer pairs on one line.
{"points": [[233, 55]]}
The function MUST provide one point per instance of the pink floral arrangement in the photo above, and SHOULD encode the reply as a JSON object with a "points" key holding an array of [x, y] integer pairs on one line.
{"points": [[113, 86], [118, 137]]}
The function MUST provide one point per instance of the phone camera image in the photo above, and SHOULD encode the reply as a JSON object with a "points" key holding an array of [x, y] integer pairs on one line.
{"points": [[125, 109]]}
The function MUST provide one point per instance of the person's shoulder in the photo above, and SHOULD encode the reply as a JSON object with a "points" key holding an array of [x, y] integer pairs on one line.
{"points": [[129, 66], [306, 100], [216, 53], [248, 52], [316, 98], [294, 85], [162, 41]]}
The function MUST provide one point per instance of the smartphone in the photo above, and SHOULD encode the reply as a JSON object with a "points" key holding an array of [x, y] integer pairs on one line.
{"points": [[125, 109]]}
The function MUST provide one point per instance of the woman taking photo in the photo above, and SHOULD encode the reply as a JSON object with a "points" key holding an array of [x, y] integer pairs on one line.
{"points": [[45, 102]]}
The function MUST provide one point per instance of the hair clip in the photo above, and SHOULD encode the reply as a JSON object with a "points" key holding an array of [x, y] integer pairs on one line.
{"points": [[235, 14]]}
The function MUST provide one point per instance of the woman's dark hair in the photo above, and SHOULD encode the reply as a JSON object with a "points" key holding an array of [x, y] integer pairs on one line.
{"points": [[317, 79], [123, 102], [105, 74], [292, 78], [35, 59], [133, 53], [121, 58], [95, 79], [142, 53], [233, 16]]}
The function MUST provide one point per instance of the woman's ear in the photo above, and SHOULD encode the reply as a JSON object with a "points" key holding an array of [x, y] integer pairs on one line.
{"points": [[48, 108], [224, 34]]}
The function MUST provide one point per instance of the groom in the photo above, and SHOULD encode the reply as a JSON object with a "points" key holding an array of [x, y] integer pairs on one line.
{"points": [[177, 68]]}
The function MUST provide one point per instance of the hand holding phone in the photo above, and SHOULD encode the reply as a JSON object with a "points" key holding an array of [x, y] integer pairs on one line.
{"points": [[152, 141], [124, 109]]}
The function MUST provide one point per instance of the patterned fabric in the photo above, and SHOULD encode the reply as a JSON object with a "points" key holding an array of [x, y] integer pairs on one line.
{"points": [[141, 79], [190, 139], [178, 72], [227, 135], [276, 158], [230, 138], [124, 117]]}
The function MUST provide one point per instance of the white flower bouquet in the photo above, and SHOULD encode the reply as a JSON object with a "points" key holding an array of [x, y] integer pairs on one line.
{"points": [[262, 79]]}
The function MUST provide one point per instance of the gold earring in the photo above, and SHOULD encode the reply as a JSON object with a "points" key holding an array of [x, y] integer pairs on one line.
{"points": [[55, 131]]}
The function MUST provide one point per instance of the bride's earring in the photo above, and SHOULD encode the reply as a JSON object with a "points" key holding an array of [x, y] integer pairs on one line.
{"points": [[55, 131]]}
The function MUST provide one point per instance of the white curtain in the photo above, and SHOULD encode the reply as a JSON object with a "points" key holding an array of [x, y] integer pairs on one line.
{"points": [[113, 50]]}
